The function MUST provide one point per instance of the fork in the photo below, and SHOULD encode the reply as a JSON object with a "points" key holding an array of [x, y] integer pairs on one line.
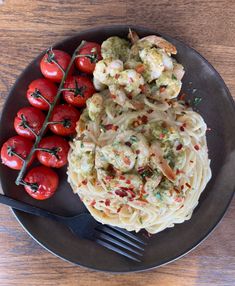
{"points": [[85, 226]]}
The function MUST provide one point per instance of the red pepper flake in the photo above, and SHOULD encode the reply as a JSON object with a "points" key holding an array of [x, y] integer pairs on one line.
{"points": [[196, 147], [128, 144], [188, 185], [141, 169], [182, 187], [161, 136], [108, 178], [182, 128], [140, 68], [191, 161], [176, 190], [122, 177], [93, 203], [144, 119], [182, 96], [113, 96], [111, 127], [179, 147], [117, 76], [84, 182], [179, 172], [121, 193], [126, 189], [137, 152], [118, 210], [150, 111], [107, 202], [128, 182], [143, 88], [131, 193], [162, 89]]}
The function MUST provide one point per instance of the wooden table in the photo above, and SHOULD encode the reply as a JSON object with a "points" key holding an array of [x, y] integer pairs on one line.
{"points": [[26, 28]]}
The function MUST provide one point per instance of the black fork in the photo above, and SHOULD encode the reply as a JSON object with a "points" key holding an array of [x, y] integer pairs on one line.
{"points": [[85, 226]]}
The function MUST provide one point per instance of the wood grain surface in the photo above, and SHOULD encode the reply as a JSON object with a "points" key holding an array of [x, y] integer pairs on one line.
{"points": [[26, 28]]}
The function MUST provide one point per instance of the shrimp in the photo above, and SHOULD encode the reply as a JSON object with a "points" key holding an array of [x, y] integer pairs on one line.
{"points": [[131, 81], [168, 86], [95, 106], [133, 36], [157, 161], [115, 48], [106, 70], [178, 71], [152, 183], [139, 145], [160, 43], [120, 156], [98, 85], [86, 163], [153, 61]]}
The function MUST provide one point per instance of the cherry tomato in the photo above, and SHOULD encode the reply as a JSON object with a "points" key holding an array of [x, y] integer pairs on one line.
{"points": [[87, 64], [15, 150], [56, 151], [41, 182], [40, 88], [82, 88], [29, 116], [50, 69], [66, 117]]}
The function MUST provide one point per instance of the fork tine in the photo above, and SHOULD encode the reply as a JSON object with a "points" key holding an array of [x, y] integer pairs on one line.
{"points": [[108, 238], [115, 234], [115, 249], [128, 233]]}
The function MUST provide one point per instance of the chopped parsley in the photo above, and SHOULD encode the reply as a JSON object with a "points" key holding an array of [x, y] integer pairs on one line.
{"points": [[196, 101], [133, 139], [174, 77], [158, 196]]}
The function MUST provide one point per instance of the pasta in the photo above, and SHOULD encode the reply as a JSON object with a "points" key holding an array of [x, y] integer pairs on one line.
{"points": [[140, 158]]}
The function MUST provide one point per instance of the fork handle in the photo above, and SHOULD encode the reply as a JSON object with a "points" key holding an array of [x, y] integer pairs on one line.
{"points": [[21, 206]]}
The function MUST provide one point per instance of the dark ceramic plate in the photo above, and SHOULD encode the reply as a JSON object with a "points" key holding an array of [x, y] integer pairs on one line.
{"points": [[217, 108]]}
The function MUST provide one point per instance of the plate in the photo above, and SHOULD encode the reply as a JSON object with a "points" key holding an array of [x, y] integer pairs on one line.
{"points": [[218, 110]]}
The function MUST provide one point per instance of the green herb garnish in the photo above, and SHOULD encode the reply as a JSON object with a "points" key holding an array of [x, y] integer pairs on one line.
{"points": [[196, 101]]}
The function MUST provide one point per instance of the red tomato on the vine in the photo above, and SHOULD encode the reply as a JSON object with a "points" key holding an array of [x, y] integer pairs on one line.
{"points": [[52, 62], [15, 150], [38, 90], [54, 151], [63, 120], [41, 182], [80, 89], [93, 55], [29, 120]]}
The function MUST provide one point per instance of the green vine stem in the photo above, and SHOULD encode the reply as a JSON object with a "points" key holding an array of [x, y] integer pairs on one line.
{"points": [[37, 94], [20, 176]]}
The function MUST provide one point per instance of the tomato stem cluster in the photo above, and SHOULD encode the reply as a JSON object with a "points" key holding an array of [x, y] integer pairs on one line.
{"points": [[37, 94], [33, 186], [51, 57], [25, 124], [11, 152]]}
